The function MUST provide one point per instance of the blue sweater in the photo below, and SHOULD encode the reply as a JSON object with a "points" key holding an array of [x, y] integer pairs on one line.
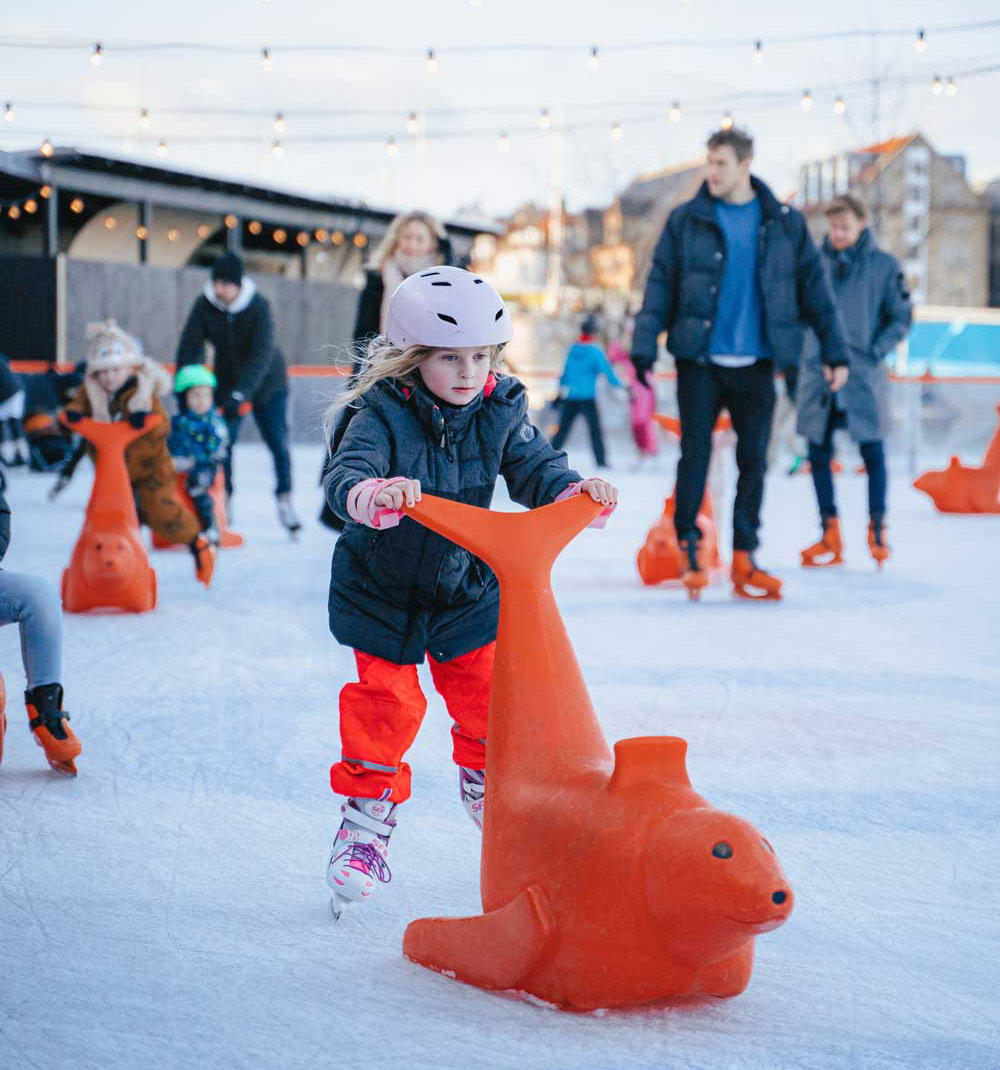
{"points": [[585, 364], [738, 329]]}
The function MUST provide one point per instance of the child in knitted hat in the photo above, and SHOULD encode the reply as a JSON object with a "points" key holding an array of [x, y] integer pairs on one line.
{"points": [[122, 384]]}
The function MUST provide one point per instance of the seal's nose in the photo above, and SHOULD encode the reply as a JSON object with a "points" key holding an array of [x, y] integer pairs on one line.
{"points": [[779, 897]]}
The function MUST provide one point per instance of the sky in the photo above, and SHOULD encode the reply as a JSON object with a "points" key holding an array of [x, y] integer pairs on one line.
{"points": [[341, 106]]}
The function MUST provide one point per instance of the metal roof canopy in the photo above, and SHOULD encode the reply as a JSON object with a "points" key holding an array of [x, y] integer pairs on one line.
{"points": [[125, 180]]}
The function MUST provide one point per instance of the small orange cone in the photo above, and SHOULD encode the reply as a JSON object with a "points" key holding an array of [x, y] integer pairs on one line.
{"points": [[605, 882], [109, 568]]}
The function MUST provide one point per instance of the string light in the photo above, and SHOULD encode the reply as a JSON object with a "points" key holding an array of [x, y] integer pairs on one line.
{"points": [[503, 142], [544, 121], [265, 59], [161, 149], [8, 112], [840, 105], [47, 149], [675, 112], [337, 237], [142, 232], [97, 56], [173, 234], [143, 119], [936, 87], [616, 131], [595, 59], [412, 124], [360, 240], [76, 205], [31, 206], [432, 63], [920, 44], [45, 192], [951, 89], [727, 121], [276, 150], [322, 234], [203, 231], [14, 212], [110, 223], [280, 126], [391, 148], [758, 52], [255, 227], [280, 236], [230, 221], [302, 238], [807, 100]]}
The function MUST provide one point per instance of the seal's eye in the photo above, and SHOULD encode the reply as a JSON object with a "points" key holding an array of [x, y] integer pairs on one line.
{"points": [[722, 850]]}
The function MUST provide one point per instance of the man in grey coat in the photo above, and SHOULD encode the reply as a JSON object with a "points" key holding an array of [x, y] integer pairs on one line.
{"points": [[871, 293]]}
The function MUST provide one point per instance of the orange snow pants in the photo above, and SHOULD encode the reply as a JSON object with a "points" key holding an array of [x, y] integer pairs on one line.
{"points": [[381, 715]]}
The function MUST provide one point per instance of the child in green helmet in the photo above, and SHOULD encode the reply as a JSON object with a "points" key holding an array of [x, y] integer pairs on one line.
{"points": [[198, 440]]}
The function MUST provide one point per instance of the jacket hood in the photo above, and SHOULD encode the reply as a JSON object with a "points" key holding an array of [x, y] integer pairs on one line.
{"points": [[248, 290]]}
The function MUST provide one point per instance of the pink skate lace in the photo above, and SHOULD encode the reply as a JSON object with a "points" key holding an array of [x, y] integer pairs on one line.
{"points": [[365, 857]]}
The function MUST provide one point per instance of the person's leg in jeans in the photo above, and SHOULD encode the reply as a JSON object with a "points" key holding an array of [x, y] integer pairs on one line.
{"points": [[271, 418], [873, 454], [748, 394], [33, 604], [233, 427], [568, 412], [698, 405], [820, 460], [593, 418]]}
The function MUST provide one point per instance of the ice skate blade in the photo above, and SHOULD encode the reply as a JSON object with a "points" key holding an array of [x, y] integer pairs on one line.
{"points": [[337, 904], [817, 563], [750, 596], [66, 768]]}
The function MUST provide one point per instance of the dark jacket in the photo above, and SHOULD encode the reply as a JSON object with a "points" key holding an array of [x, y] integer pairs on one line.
{"points": [[871, 294], [4, 517], [682, 292], [400, 592], [200, 439], [247, 359]]}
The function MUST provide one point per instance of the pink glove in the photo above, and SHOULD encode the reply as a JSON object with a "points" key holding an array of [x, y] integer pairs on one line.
{"points": [[362, 508], [602, 517]]}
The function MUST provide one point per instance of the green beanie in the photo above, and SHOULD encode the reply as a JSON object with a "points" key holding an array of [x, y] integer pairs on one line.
{"points": [[193, 375]]}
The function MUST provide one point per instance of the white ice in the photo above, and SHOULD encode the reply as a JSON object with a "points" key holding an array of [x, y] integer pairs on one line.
{"points": [[167, 908]]}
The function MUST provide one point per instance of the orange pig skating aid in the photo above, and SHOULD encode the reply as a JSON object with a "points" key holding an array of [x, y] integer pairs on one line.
{"points": [[109, 568], [605, 883], [961, 489]]}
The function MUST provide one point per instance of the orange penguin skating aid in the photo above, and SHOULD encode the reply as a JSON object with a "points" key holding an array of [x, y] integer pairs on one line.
{"points": [[109, 568], [961, 489], [605, 883]]}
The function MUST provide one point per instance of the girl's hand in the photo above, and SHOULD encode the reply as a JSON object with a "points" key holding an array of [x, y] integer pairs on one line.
{"points": [[600, 490], [396, 494]]}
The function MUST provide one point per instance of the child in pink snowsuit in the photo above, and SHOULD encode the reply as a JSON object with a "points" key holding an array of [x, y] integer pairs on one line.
{"points": [[642, 404]]}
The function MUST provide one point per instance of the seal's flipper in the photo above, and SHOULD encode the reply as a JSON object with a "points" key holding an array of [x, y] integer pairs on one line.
{"points": [[495, 950]]}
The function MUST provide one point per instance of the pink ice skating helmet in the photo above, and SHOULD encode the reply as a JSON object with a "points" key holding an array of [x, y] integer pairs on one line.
{"points": [[444, 307]]}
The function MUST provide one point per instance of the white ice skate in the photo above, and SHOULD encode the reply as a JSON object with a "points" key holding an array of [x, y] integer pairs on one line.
{"points": [[359, 856], [472, 783], [287, 516]]}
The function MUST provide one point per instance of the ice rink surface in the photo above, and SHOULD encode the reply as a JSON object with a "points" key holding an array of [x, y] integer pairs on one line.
{"points": [[167, 908]]}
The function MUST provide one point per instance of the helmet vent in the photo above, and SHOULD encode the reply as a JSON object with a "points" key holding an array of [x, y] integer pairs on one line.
{"points": [[427, 274], [447, 319], [440, 284], [478, 282], [498, 315]]}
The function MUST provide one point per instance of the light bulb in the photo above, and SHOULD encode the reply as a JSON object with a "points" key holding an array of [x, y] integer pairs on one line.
{"points": [[76, 205], [920, 44], [616, 131], [280, 126], [203, 231], [276, 150], [412, 124], [143, 119], [321, 234], [807, 100], [503, 142], [97, 56], [337, 237], [391, 148], [161, 149], [595, 59], [936, 87], [758, 52], [950, 88], [230, 221], [840, 105], [8, 112], [675, 112], [142, 232], [360, 240], [47, 149], [432, 63], [280, 236], [727, 121], [14, 212], [255, 226], [110, 222], [302, 238], [45, 192], [544, 121], [31, 206], [173, 234], [265, 59]]}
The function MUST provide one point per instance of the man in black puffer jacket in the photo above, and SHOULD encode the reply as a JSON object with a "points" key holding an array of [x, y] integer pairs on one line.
{"points": [[734, 277], [249, 367]]}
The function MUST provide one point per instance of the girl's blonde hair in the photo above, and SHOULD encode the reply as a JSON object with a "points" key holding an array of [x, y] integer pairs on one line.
{"points": [[385, 361], [387, 246]]}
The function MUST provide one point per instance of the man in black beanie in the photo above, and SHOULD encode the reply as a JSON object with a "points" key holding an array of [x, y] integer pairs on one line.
{"points": [[249, 367]]}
